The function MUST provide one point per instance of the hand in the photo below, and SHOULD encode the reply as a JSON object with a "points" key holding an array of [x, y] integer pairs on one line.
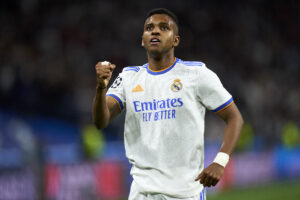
{"points": [[104, 73], [211, 175]]}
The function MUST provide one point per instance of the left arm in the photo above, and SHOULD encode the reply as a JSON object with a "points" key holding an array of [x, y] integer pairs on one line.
{"points": [[234, 123], [211, 175]]}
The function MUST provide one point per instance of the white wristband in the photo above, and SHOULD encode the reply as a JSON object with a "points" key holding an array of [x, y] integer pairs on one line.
{"points": [[222, 159]]}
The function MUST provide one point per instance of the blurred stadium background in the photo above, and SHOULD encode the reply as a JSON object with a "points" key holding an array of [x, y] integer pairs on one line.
{"points": [[49, 148]]}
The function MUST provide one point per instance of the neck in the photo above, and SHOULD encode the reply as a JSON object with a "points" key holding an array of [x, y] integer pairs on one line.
{"points": [[160, 62]]}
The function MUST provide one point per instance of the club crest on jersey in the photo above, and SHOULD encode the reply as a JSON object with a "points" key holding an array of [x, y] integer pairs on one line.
{"points": [[176, 85]]}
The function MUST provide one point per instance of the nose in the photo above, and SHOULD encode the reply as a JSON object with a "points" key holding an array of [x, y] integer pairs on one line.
{"points": [[155, 31]]}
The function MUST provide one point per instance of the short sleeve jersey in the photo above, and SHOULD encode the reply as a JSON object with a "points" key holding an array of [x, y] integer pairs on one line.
{"points": [[164, 123]]}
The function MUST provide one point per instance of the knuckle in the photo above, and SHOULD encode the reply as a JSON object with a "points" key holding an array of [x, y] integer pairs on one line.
{"points": [[213, 176], [98, 67]]}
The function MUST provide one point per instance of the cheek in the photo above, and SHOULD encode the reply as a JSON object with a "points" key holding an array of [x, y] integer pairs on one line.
{"points": [[144, 38], [170, 37]]}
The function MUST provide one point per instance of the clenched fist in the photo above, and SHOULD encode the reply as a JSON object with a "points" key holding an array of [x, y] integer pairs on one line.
{"points": [[211, 175], [104, 71]]}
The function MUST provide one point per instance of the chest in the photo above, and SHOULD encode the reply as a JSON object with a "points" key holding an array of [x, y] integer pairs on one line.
{"points": [[149, 87]]}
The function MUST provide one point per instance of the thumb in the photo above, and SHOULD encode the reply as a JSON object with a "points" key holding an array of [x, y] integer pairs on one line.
{"points": [[112, 67], [106, 81]]}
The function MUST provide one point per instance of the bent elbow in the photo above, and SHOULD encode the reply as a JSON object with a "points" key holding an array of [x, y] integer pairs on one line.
{"points": [[241, 121], [100, 125]]}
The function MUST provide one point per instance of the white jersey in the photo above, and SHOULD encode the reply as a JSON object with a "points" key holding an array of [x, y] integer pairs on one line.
{"points": [[164, 125]]}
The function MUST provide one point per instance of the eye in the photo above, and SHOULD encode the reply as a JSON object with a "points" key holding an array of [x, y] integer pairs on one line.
{"points": [[148, 28], [164, 28]]}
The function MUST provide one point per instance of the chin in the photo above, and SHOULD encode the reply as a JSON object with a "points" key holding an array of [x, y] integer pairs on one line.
{"points": [[154, 52]]}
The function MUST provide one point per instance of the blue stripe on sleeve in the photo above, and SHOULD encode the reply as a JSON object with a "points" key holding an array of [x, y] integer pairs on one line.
{"points": [[136, 69], [116, 98], [223, 105], [191, 63]]}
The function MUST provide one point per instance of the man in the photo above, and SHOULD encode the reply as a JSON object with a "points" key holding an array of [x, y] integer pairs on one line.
{"points": [[165, 102]]}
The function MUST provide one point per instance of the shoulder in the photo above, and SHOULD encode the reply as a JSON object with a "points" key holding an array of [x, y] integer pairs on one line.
{"points": [[131, 69], [193, 68], [198, 69], [196, 65], [135, 68], [191, 63]]}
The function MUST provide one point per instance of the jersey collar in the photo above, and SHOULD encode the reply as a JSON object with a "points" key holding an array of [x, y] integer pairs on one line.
{"points": [[161, 71]]}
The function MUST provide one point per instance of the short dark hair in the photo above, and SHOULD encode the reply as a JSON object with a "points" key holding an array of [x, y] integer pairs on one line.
{"points": [[163, 11]]}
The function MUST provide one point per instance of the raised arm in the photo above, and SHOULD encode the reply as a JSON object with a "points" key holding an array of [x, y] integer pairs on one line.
{"points": [[211, 175], [104, 108]]}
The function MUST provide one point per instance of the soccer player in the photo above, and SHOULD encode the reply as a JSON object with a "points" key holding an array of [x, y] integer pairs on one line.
{"points": [[165, 102]]}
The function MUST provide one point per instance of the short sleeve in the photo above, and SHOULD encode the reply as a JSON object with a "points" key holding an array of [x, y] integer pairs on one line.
{"points": [[211, 92], [116, 91]]}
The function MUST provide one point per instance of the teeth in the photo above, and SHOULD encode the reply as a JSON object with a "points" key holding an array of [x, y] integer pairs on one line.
{"points": [[155, 40]]}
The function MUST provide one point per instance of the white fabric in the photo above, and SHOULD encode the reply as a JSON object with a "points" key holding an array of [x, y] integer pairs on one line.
{"points": [[164, 125], [136, 195]]}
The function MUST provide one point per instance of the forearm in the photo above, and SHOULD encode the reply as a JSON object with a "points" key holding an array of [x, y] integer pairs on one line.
{"points": [[101, 114], [211, 175], [231, 134]]}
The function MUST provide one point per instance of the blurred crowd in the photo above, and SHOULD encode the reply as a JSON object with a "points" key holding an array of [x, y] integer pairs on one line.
{"points": [[48, 50]]}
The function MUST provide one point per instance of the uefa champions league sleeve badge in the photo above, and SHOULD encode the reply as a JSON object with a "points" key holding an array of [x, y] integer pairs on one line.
{"points": [[117, 82], [176, 85]]}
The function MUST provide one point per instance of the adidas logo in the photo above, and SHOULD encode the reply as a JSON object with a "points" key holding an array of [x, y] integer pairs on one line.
{"points": [[138, 88]]}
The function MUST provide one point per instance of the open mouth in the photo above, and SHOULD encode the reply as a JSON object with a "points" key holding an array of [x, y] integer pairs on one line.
{"points": [[154, 41]]}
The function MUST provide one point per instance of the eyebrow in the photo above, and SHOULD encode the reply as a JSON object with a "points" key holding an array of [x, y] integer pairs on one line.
{"points": [[160, 23]]}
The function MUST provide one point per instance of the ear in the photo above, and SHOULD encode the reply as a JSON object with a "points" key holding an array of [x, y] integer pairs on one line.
{"points": [[176, 41]]}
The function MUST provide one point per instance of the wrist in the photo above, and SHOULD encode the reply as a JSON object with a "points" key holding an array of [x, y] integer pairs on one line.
{"points": [[222, 159], [101, 87]]}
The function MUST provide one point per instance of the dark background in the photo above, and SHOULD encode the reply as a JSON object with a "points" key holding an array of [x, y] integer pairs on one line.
{"points": [[49, 48]]}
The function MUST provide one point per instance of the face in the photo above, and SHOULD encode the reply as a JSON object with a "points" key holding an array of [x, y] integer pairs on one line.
{"points": [[160, 34]]}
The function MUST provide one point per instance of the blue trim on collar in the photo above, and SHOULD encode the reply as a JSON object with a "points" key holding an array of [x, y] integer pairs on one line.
{"points": [[161, 72]]}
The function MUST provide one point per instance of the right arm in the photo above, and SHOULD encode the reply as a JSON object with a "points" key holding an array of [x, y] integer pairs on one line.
{"points": [[104, 108]]}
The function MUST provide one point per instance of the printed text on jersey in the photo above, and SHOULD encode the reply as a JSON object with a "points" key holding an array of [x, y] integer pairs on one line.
{"points": [[158, 109]]}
